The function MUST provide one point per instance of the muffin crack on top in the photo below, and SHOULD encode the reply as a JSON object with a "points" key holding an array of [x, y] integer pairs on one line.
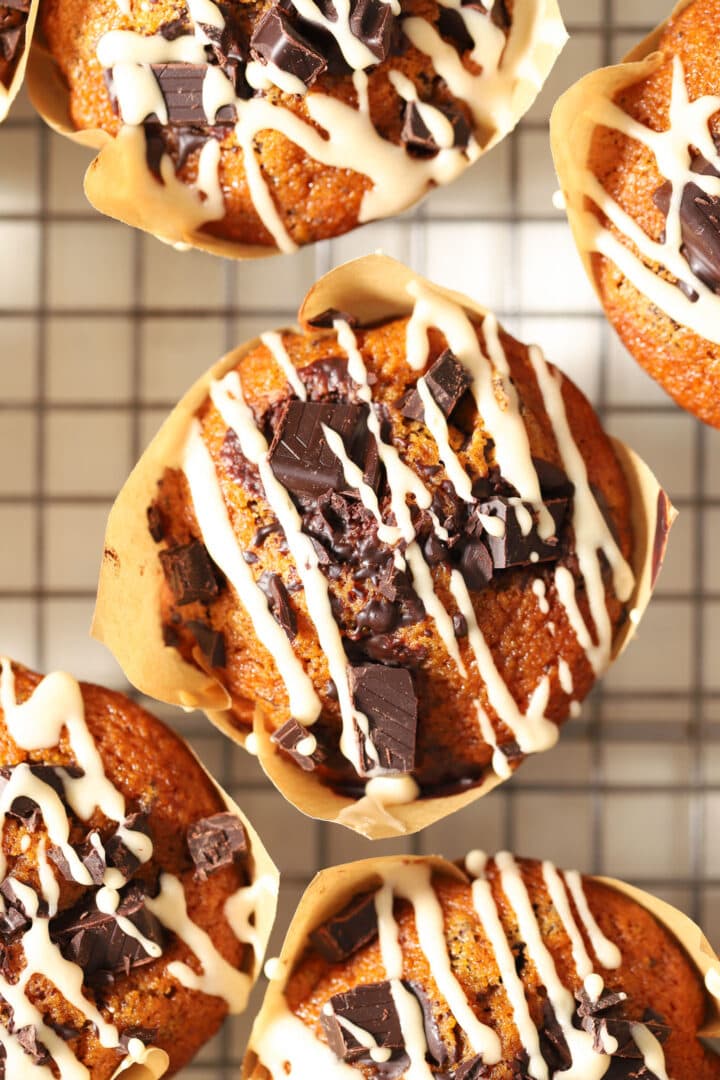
{"points": [[275, 125]]}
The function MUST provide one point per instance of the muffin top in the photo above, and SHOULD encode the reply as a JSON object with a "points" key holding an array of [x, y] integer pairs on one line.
{"points": [[506, 969], [278, 124], [129, 888], [403, 548]]}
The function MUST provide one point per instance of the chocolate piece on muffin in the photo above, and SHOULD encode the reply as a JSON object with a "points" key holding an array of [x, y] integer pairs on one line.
{"points": [[131, 917], [253, 128], [13, 20], [501, 969], [636, 149], [414, 538]]}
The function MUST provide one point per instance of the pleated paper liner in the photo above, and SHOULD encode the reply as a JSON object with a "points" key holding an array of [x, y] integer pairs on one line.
{"points": [[119, 183], [9, 93], [332, 889], [128, 604]]}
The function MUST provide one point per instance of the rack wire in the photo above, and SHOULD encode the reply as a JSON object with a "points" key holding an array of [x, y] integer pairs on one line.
{"points": [[103, 328]]}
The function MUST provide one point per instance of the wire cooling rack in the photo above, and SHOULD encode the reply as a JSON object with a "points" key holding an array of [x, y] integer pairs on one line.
{"points": [[102, 328]]}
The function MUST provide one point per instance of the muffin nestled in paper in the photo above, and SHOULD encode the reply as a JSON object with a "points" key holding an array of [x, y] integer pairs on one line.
{"points": [[637, 150], [17, 19], [248, 129], [137, 901], [498, 969], [396, 545]]}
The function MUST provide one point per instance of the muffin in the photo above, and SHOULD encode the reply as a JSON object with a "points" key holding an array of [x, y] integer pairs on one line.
{"points": [[137, 901], [399, 548], [254, 127], [500, 969], [17, 18], [636, 150]]}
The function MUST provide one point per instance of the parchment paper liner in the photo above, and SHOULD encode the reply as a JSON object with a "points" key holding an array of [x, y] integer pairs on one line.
{"points": [[119, 184], [572, 129], [9, 93], [331, 889], [126, 614]]}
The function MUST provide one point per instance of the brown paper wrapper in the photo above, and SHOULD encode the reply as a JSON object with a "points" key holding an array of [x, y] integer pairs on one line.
{"points": [[126, 613], [332, 889], [9, 93], [572, 129], [119, 184]]}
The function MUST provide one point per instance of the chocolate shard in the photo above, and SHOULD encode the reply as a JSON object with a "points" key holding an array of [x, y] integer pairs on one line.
{"points": [[94, 940], [28, 1038], [437, 1048], [513, 548], [118, 854], [326, 319], [215, 842], [386, 696], [290, 737], [156, 522], [352, 928], [210, 642], [447, 380], [416, 136], [14, 920], [25, 809], [190, 573], [452, 27], [700, 221], [373, 22], [476, 565], [182, 90], [370, 1008], [92, 858], [12, 42], [553, 479], [300, 456], [553, 1044], [279, 602], [472, 1069], [277, 41]]}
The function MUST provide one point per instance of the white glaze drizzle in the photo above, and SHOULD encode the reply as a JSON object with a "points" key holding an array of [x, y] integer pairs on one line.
{"points": [[274, 342], [352, 141], [688, 126]]}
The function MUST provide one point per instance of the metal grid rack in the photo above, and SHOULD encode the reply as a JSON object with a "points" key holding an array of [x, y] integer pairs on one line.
{"points": [[103, 328]]}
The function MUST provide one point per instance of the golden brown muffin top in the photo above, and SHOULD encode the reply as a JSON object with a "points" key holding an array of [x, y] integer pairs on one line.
{"points": [[120, 860], [511, 971]]}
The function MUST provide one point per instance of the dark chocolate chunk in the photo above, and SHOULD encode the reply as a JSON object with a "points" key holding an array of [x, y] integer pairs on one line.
{"points": [[190, 573], [472, 1069], [92, 859], [262, 534], [373, 22], [515, 549], [385, 649], [460, 625], [476, 565], [215, 842], [700, 221], [300, 456], [182, 90], [118, 854], [553, 480], [12, 41], [342, 935], [452, 27], [25, 809], [210, 642], [276, 40], [447, 380], [146, 1035], [326, 319], [14, 920], [553, 1044], [94, 940], [279, 602], [437, 1048], [289, 736], [386, 696], [66, 1031], [417, 137], [370, 1008], [156, 522], [28, 1038]]}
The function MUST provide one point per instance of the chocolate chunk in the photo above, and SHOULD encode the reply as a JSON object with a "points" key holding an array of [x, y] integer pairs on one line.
{"points": [[190, 573], [326, 319], [385, 649], [416, 136], [288, 738], [182, 90], [300, 456], [476, 565], [279, 602], [12, 42], [276, 40], [14, 920], [210, 642], [452, 27], [460, 625], [472, 1069], [553, 1044], [437, 1048], [118, 854], [554, 481], [700, 227], [515, 549], [373, 22], [386, 696], [215, 842], [447, 380], [156, 522], [28, 1038], [94, 940], [370, 1008], [92, 859], [66, 1031], [146, 1035], [24, 808], [342, 935]]}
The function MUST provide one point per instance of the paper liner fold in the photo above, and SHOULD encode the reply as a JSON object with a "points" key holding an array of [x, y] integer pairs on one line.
{"points": [[333, 888], [572, 129], [9, 93], [128, 603], [118, 182]]}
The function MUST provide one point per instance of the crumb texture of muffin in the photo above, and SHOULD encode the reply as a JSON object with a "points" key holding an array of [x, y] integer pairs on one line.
{"points": [[275, 124], [128, 887], [637, 148], [405, 547], [504, 969]]}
